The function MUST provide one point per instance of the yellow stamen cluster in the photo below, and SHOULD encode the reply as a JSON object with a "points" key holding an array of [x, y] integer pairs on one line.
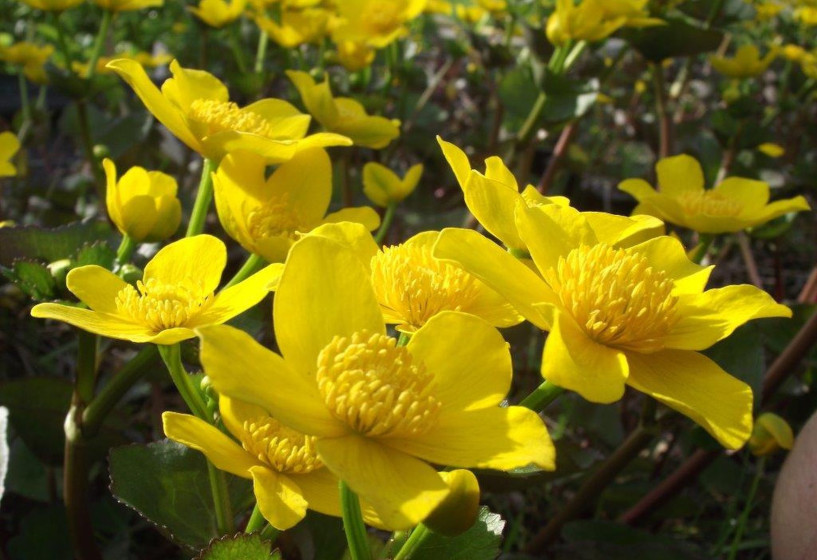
{"points": [[615, 296], [374, 386], [218, 116], [410, 281], [163, 306], [276, 217], [279, 446], [709, 203]]}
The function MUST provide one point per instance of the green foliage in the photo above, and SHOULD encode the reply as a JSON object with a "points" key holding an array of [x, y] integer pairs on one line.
{"points": [[33, 278], [676, 39], [480, 542], [239, 547]]}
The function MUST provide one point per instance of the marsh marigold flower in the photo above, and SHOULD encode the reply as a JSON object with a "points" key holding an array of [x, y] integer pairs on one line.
{"points": [[218, 13], [745, 64], [594, 20], [31, 58], [382, 186], [52, 5], [267, 215], [354, 55], [733, 205], [9, 145], [195, 106], [127, 5], [142, 204], [343, 115], [296, 27], [621, 313], [379, 412], [176, 295], [376, 22]]}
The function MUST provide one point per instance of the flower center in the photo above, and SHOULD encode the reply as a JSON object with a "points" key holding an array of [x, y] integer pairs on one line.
{"points": [[279, 446], [415, 286], [275, 218], [218, 116], [615, 296], [382, 17], [372, 385], [163, 306], [709, 203]]}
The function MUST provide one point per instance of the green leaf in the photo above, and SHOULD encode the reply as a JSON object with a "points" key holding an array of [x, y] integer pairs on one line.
{"points": [[480, 542], [168, 484], [742, 356], [50, 245], [568, 99], [33, 278], [240, 546], [675, 39], [98, 253]]}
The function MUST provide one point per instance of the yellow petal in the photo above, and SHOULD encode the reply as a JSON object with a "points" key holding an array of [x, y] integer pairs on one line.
{"points": [[638, 188], [380, 183], [401, 489], [320, 490], [96, 287], [324, 280], [475, 372], [668, 255], [200, 258], [679, 174], [752, 195], [104, 324], [139, 216], [697, 387], [305, 183], [188, 85], [316, 98], [489, 438], [458, 161], [238, 298], [498, 269], [573, 361], [493, 204], [278, 497], [496, 170], [621, 231], [243, 369], [362, 215], [550, 232], [235, 412], [780, 207], [197, 434], [352, 234]]}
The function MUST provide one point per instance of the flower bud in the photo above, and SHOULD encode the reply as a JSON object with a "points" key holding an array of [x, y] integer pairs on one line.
{"points": [[770, 434], [383, 187]]}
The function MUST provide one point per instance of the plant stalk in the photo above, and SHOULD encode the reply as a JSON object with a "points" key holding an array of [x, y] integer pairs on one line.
{"points": [[204, 197], [353, 524]]}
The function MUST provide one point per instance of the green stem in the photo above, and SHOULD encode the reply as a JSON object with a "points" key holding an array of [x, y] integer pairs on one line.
{"points": [[76, 468], [107, 398], [744, 516], [107, 17], [699, 252], [221, 499], [126, 248], [261, 52], [238, 52], [63, 44], [388, 217], [353, 524], [25, 103], [418, 536], [256, 522], [253, 263], [172, 357], [542, 396], [204, 197], [86, 366]]}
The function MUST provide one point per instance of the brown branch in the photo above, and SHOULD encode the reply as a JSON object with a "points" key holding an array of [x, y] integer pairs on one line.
{"points": [[559, 153]]}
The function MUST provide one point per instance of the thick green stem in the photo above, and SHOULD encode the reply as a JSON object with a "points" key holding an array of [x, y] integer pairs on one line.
{"points": [[413, 543], [221, 499], [126, 248], [172, 357], [252, 264], [256, 522], [353, 524], [107, 398], [86, 366], [204, 197], [388, 218], [261, 52], [238, 52], [744, 516], [542, 396], [107, 17]]}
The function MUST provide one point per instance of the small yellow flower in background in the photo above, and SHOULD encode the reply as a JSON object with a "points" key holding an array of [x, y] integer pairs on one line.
{"points": [[745, 64], [795, 53], [176, 295], [218, 13], [439, 7], [341, 376], [142, 204], [771, 149], [52, 5], [767, 10], [30, 57], [376, 23], [620, 312], [806, 15], [770, 434], [354, 55], [9, 145], [195, 106], [146, 59], [343, 115], [733, 205], [469, 14], [383, 187], [296, 27], [127, 5], [594, 20], [267, 215]]}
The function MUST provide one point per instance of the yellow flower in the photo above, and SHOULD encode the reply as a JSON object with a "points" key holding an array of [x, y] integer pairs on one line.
{"points": [[195, 106], [621, 313], [493, 197], [770, 434], [795, 53], [30, 57], [146, 59], [9, 145], [142, 204], [175, 296], [806, 15], [127, 5], [266, 216], [733, 205], [218, 13], [767, 10], [354, 55], [376, 22], [341, 377], [470, 14], [771, 149], [52, 5], [296, 27], [439, 7], [745, 64], [594, 20], [383, 187], [343, 115]]}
